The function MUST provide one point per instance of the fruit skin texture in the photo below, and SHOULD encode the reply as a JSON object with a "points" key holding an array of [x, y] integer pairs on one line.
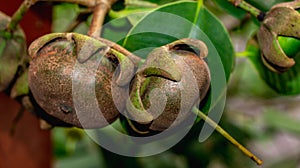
{"points": [[12, 52], [57, 61], [172, 80]]}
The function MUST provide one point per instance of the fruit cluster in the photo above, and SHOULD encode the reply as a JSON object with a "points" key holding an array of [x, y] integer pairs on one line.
{"points": [[161, 92]]}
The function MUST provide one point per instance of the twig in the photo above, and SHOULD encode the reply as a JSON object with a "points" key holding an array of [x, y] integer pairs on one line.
{"points": [[249, 8], [100, 11], [226, 135], [101, 8], [19, 14], [87, 3]]}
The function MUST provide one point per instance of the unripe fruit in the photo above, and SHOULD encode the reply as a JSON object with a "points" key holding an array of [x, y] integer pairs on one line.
{"points": [[12, 52], [173, 79], [289, 45], [281, 20], [57, 61]]}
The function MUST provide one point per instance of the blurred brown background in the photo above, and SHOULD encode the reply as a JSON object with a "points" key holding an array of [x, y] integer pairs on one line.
{"points": [[29, 147]]}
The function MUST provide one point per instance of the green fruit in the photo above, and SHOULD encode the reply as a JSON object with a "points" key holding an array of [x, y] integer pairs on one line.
{"points": [[289, 45], [12, 52]]}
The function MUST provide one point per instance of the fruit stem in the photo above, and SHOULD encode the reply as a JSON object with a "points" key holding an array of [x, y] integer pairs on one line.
{"points": [[249, 8], [87, 3], [19, 14], [100, 11], [226, 135]]}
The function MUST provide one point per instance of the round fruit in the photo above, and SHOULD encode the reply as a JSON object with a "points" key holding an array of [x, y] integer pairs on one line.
{"points": [[65, 65], [174, 78], [12, 52]]}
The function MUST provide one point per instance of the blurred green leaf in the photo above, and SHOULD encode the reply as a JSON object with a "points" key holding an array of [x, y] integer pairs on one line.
{"points": [[163, 160], [245, 82], [74, 149], [59, 139], [231, 9], [265, 5], [91, 160], [128, 11], [67, 141], [63, 15], [116, 29], [140, 3], [280, 120]]}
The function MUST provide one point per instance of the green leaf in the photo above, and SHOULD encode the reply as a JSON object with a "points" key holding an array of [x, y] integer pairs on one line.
{"points": [[231, 9], [161, 2], [219, 37], [159, 28], [285, 83]]}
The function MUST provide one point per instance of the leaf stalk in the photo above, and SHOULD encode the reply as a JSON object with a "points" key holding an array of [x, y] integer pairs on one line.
{"points": [[226, 135]]}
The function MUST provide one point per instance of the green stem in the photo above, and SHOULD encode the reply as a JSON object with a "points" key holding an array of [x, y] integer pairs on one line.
{"points": [[19, 14], [247, 7], [226, 135]]}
